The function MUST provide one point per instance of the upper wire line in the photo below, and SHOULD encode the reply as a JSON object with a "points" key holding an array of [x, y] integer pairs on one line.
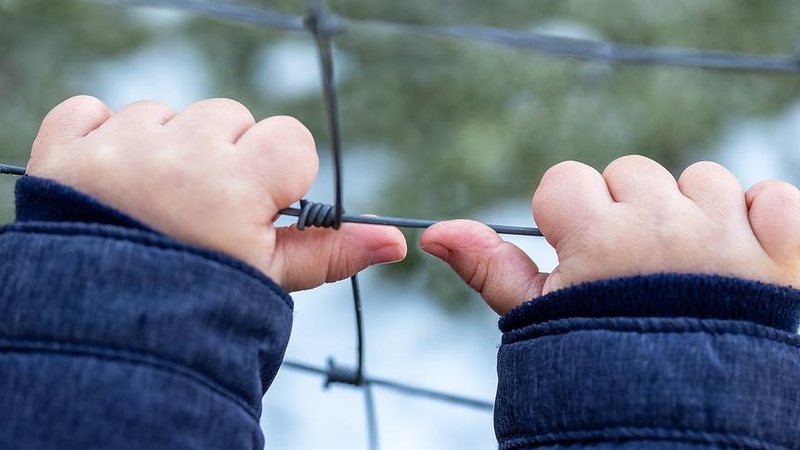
{"points": [[583, 49]]}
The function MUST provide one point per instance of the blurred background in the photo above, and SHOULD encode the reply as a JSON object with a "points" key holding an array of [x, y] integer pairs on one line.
{"points": [[433, 128]]}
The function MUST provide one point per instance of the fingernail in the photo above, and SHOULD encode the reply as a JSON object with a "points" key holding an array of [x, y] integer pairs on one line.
{"points": [[387, 254], [437, 250]]}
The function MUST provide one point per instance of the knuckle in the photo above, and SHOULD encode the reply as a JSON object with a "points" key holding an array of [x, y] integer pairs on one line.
{"points": [[81, 105], [227, 106], [774, 193], [558, 181], [562, 169], [703, 170], [556, 176], [781, 193], [628, 163], [294, 131], [630, 160], [289, 136], [65, 122], [776, 187], [85, 103]]}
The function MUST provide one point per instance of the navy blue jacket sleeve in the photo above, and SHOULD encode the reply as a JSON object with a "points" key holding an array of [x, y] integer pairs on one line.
{"points": [[115, 336], [652, 362]]}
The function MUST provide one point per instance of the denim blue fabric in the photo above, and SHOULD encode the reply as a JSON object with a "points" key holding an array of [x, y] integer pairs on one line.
{"points": [[660, 361], [114, 336], [43, 200]]}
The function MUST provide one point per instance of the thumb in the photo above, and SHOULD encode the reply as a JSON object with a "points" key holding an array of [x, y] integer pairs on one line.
{"points": [[306, 259], [498, 270]]}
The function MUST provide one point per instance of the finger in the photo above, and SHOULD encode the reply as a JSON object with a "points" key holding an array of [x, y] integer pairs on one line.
{"points": [[220, 119], [309, 258], [498, 270], [714, 189], [72, 119], [570, 196], [281, 150], [142, 113], [774, 213], [637, 179]]}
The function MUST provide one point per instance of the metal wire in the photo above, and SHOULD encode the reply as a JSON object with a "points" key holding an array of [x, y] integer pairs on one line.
{"points": [[372, 418], [323, 25], [312, 214], [359, 377], [584, 49], [602, 51], [8, 169], [403, 388]]}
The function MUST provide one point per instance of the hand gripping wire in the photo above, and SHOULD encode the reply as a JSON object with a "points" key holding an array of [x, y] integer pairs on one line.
{"points": [[323, 215]]}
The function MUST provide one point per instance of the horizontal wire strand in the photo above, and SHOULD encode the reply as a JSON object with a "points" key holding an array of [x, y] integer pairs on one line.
{"points": [[602, 51], [8, 169], [397, 386], [405, 222], [401, 222], [583, 49]]}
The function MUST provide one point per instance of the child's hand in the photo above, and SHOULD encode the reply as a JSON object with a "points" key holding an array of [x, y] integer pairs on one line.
{"points": [[633, 219], [210, 176]]}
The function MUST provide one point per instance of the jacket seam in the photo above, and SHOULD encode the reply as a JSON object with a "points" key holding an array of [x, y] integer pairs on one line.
{"points": [[633, 433], [589, 296], [674, 325], [155, 242], [22, 346]]}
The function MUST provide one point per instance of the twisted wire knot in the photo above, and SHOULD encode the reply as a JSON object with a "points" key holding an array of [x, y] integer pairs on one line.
{"points": [[322, 22], [320, 215], [337, 374]]}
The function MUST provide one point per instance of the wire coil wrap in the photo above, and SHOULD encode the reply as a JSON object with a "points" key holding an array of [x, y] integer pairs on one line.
{"points": [[319, 215]]}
